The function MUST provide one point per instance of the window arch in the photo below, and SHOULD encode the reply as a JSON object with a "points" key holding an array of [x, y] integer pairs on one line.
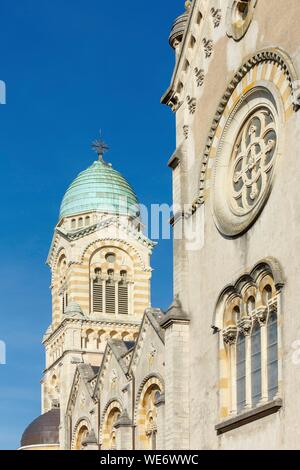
{"points": [[249, 341], [62, 277], [111, 416], [111, 282], [266, 294], [146, 416], [250, 305], [80, 434]]}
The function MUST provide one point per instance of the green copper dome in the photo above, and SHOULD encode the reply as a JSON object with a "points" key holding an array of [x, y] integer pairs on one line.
{"points": [[100, 188]]}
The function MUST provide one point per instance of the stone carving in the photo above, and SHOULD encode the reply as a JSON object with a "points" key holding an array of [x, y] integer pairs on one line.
{"points": [[244, 325], [186, 132], [82, 401], [199, 76], [216, 15], [239, 17], [252, 161], [153, 350], [208, 47], [191, 104], [261, 314], [273, 305], [114, 378], [245, 169], [230, 334]]}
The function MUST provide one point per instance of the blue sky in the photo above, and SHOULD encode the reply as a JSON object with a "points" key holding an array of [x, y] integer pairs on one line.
{"points": [[72, 67]]}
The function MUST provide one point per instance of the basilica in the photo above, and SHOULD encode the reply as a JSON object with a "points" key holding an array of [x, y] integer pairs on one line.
{"points": [[217, 370]]}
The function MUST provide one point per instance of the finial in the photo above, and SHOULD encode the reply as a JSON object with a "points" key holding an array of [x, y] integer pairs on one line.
{"points": [[188, 4], [100, 148]]}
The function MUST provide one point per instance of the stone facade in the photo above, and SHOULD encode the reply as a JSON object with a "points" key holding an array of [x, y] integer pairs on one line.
{"points": [[249, 227], [216, 371]]}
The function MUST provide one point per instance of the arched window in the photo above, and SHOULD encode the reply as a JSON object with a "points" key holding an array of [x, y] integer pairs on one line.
{"points": [[64, 300], [267, 295], [80, 435], [256, 364], [247, 315], [87, 220], [110, 294], [73, 224], [108, 433], [98, 292], [272, 359], [241, 372], [147, 426], [80, 222], [123, 294], [250, 306], [62, 276]]}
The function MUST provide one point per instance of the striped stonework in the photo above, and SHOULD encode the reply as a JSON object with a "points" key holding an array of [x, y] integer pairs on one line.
{"points": [[146, 413], [110, 416]]}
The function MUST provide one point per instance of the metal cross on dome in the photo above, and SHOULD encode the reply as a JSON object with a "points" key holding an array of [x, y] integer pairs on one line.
{"points": [[100, 148]]}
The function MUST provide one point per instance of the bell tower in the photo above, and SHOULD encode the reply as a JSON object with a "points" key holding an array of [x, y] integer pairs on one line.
{"points": [[100, 283]]}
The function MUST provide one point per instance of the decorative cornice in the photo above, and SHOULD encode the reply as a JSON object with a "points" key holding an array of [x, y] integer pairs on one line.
{"points": [[73, 236], [170, 98], [81, 322]]}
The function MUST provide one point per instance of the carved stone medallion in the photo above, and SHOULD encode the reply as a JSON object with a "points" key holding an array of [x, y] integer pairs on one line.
{"points": [[245, 163], [239, 17]]}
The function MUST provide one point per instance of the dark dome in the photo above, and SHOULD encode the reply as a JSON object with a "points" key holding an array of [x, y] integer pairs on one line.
{"points": [[43, 430], [178, 29]]}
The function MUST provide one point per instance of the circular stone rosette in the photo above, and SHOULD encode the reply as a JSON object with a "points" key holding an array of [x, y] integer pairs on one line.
{"points": [[246, 160], [239, 17]]}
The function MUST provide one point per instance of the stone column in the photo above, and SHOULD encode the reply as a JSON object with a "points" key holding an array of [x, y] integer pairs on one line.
{"points": [[123, 429], [160, 437], [176, 326]]}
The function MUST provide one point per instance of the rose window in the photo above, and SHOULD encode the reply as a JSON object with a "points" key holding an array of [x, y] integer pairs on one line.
{"points": [[252, 161], [246, 161]]}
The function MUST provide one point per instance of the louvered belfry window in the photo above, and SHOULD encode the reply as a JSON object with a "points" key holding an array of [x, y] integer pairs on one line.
{"points": [[98, 292], [110, 293], [123, 294]]}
